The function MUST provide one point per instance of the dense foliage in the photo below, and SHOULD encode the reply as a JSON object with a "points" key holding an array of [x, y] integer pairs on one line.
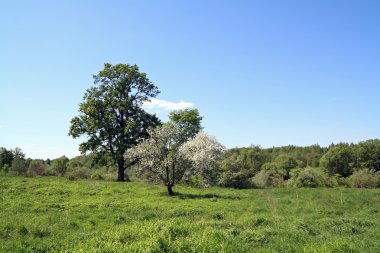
{"points": [[299, 166]]}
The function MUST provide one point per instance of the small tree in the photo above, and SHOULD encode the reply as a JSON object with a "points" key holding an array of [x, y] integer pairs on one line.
{"points": [[204, 152], [59, 165], [338, 160], [6, 158], [159, 155], [19, 164], [36, 168]]}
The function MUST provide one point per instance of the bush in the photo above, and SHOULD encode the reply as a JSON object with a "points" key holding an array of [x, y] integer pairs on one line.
{"points": [[97, 176], [313, 177], [269, 178], [196, 181], [36, 168], [239, 180], [49, 171], [78, 173], [341, 181], [110, 177], [6, 168], [19, 166], [59, 165], [365, 178]]}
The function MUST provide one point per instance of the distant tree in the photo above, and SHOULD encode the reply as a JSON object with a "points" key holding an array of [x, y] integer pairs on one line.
{"points": [[159, 155], [338, 160], [286, 163], [368, 154], [189, 122], [19, 164], [36, 168], [6, 158], [111, 116], [59, 165], [204, 152], [239, 165]]}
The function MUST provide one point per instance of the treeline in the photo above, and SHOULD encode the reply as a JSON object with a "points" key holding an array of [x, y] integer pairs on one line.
{"points": [[343, 164], [356, 165], [13, 162]]}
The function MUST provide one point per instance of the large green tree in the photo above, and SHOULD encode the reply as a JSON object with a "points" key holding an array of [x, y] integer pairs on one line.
{"points": [[111, 116]]}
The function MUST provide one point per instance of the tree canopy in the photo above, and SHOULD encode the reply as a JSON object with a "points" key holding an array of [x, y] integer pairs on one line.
{"points": [[110, 115], [189, 122], [204, 152]]}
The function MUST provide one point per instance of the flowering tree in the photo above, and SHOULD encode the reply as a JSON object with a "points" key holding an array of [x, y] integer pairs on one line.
{"points": [[159, 155], [203, 151], [166, 158]]}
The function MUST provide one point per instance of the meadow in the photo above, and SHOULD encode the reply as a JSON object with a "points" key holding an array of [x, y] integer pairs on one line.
{"points": [[53, 214]]}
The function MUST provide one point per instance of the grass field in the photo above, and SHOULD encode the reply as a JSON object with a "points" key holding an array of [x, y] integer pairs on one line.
{"points": [[51, 214]]}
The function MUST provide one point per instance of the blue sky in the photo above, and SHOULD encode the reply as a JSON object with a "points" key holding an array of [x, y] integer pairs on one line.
{"points": [[260, 72]]}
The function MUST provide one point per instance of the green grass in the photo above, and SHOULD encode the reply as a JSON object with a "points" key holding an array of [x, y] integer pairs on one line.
{"points": [[51, 214]]}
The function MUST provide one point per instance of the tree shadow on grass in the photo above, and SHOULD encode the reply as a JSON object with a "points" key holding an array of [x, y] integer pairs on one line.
{"points": [[203, 196]]}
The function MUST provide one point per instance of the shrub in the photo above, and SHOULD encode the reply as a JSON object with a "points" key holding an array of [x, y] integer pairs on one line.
{"points": [[237, 180], [109, 177], [36, 168], [196, 181], [365, 178], [269, 178], [49, 171], [19, 166], [78, 173], [6, 168], [341, 181], [97, 176], [59, 165], [313, 177]]}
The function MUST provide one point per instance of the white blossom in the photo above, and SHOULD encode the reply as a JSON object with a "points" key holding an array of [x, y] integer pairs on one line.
{"points": [[203, 151]]}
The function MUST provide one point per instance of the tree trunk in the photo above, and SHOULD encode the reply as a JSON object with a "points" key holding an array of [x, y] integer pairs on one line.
{"points": [[170, 190], [121, 177], [120, 174]]}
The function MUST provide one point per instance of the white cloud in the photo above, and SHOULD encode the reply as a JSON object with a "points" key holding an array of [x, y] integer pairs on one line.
{"points": [[155, 103]]}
